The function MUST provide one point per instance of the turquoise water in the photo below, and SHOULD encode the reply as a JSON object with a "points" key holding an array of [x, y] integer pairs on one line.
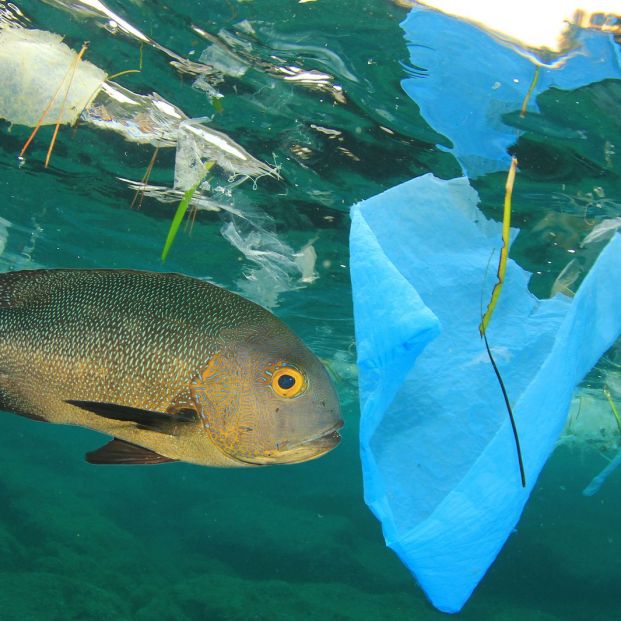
{"points": [[182, 542]]}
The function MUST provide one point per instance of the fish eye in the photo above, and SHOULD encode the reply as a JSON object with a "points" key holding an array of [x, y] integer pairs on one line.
{"points": [[288, 382]]}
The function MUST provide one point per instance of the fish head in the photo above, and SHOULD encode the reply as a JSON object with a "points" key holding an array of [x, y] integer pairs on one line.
{"points": [[269, 400]]}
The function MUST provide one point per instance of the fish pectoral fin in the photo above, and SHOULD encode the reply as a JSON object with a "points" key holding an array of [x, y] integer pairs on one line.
{"points": [[121, 452], [162, 422]]}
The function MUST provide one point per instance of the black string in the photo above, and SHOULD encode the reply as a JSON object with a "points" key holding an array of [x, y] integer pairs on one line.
{"points": [[506, 396]]}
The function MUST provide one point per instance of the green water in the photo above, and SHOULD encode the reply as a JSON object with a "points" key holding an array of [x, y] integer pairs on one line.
{"points": [[185, 543]]}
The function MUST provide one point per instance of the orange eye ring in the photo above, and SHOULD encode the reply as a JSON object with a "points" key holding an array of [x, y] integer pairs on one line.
{"points": [[288, 382]]}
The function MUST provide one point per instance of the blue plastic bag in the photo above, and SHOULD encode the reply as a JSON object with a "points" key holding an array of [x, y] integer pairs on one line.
{"points": [[438, 456]]}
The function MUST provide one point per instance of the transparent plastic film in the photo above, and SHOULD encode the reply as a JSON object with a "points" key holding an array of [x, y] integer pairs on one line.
{"points": [[198, 143], [114, 23], [145, 119], [38, 73]]}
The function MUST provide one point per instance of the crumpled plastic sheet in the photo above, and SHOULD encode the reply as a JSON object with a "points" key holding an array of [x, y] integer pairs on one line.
{"points": [[277, 266], [438, 456], [197, 144], [591, 423], [36, 66], [480, 80]]}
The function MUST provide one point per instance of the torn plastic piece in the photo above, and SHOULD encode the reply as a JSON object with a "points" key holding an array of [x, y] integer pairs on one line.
{"points": [[566, 280], [592, 424], [596, 484], [153, 120], [437, 451], [278, 267], [35, 66], [604, 230], [145, 119], [224, 60], [169, 195], [198, 144], [114, 23], [27, 90]]}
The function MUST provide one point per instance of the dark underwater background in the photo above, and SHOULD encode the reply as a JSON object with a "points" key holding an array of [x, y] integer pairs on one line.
{"points": [[178, 542]]}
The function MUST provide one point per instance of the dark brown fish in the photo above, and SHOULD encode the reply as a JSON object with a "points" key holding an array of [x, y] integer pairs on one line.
{"points": [[172, 367]]}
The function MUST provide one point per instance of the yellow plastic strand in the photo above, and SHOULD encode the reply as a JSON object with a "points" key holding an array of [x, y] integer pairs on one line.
{"points": [[504, 251], [531, 88], [502, 268], [613, 407], [120, 73], [145, 179], [44, 114], [74, 66]]}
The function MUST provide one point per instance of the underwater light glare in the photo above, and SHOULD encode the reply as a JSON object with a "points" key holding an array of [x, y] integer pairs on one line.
{"points": [[532, 23]]}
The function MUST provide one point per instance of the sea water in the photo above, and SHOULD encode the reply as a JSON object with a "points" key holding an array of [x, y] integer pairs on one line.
{"points": [[312, 88]]}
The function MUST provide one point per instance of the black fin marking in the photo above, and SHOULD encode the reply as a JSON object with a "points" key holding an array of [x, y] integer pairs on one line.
{"points": [[121, 452], [162, 422]]}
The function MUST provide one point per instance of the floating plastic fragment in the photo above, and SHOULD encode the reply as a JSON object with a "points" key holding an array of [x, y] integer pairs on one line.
{"points": [[165, 194], [565, 282], [592, 424], [224, 60], [596, 484], [279, 267], [115, 23], [197, 144], [437, 450], [36, 68], [144, 119], [602, 231], [233, 53]]}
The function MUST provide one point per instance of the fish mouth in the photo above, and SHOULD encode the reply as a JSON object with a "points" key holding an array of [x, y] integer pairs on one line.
{"points": [[302, 451], [328, 439]]}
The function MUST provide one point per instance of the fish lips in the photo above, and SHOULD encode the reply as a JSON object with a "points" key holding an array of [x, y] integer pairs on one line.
{"points": [[303, 451]]}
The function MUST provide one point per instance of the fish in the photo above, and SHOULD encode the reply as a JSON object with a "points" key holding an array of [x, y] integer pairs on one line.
{"points": [[171, 367]]}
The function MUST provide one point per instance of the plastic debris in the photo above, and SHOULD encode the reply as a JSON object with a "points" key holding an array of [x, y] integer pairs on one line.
{"points": [[144, 119], [150, 119], [198, 144], [437, 450], [596, 484], [233, 53], [36, 68], [165, 194], [565, 282], [115, 23], [224, 60], [591, 423], [279, 267], [602, 231]]}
